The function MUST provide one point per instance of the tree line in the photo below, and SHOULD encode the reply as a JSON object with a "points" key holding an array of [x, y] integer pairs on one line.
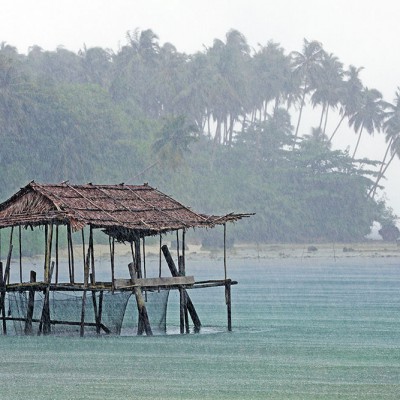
{"points": [[221, 129]]}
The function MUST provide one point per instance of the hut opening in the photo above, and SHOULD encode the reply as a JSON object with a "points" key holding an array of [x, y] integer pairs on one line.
{"points": [[68, 297]]}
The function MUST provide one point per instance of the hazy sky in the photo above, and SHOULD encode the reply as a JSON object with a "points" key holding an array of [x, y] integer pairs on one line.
{"points": [[360, 32]]}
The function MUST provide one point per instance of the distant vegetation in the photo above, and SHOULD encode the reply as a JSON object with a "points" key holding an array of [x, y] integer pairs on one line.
{"points": [[221, 130]]}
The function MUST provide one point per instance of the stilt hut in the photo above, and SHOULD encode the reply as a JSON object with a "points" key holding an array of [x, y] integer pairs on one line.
{"points": [[126, 213]]}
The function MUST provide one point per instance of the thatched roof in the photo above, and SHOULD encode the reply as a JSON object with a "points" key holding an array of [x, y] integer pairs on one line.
{"points": [[127, 209]]}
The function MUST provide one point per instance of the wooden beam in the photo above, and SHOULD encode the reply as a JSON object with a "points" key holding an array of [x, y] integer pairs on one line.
{"points": [[155, 282], [174, 273]]}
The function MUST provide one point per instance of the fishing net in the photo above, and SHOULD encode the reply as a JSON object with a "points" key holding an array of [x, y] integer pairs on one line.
{"points": [[66, 311]]}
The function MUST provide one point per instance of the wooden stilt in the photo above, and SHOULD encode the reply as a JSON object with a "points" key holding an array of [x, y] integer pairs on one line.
{"points": [[144, 266], [112, 249], [49, 238], [138, 260], [30, 308], [175, 273], [85, 261], [2, 299], [45, 321], [56, 279], [8, 266], [144, 323], [82, 329], [228, 303], [183, 298], [70, 255], [91, 249], [20, 253]]}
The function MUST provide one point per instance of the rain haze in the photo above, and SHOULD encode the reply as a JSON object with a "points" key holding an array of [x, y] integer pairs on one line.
{"points": [[362, 33]]}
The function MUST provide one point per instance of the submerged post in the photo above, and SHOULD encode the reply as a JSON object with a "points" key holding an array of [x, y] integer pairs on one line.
{"points": [[175, 273], [143, 320], [30, 307]]}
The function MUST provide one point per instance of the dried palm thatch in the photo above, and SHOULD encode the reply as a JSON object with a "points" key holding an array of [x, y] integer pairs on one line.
{"points": [[123, 211]]}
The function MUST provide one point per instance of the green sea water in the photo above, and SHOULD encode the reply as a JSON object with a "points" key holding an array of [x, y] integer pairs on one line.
{"points": [[302, 329]]}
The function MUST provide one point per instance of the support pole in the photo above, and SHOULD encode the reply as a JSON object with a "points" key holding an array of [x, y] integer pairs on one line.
{"points": [[56, 279], [49, 238], [91, 249], [175, 273], [2, 299], [227, 288], [8, 266], [70, 255], [143, 323], [30, 308], [20, 253], [228, 303], [82, 328], [111, 242], [44, 325]]}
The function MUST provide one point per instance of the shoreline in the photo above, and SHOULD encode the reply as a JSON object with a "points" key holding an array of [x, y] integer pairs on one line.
{"points": [[370, 249]]}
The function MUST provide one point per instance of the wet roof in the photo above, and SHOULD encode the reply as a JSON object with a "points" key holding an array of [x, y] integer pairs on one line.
{"points": [[139, 208]]}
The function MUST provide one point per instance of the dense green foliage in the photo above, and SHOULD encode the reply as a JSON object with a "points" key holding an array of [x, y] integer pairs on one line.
{"points": [[221, 130]]}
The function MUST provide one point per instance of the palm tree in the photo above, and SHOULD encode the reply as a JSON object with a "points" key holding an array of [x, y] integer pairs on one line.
{"points": [[306, 65], [173, 141], [350, 95], [328, 86], [391, 126], [369, 116]]}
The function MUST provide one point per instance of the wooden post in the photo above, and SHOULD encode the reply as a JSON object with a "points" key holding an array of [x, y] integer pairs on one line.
{"points": [[228, 303], [56, 279], [45, 321], [111, 242], [49, 238], [85, 261], [2, 299], [183, 296], [8, 266], [30, 308], [225, 272], [20, 253], [175, 273], [138, 260], [96, 315], [82, 328], [70, 255], [143, 323], [91, 249], [144, 258]]}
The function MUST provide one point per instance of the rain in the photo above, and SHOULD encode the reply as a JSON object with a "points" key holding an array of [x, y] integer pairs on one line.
{"points": [[277, 125]]}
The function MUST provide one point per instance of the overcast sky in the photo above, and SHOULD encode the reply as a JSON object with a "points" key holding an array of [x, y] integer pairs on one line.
{"points": [[360, 32]]}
